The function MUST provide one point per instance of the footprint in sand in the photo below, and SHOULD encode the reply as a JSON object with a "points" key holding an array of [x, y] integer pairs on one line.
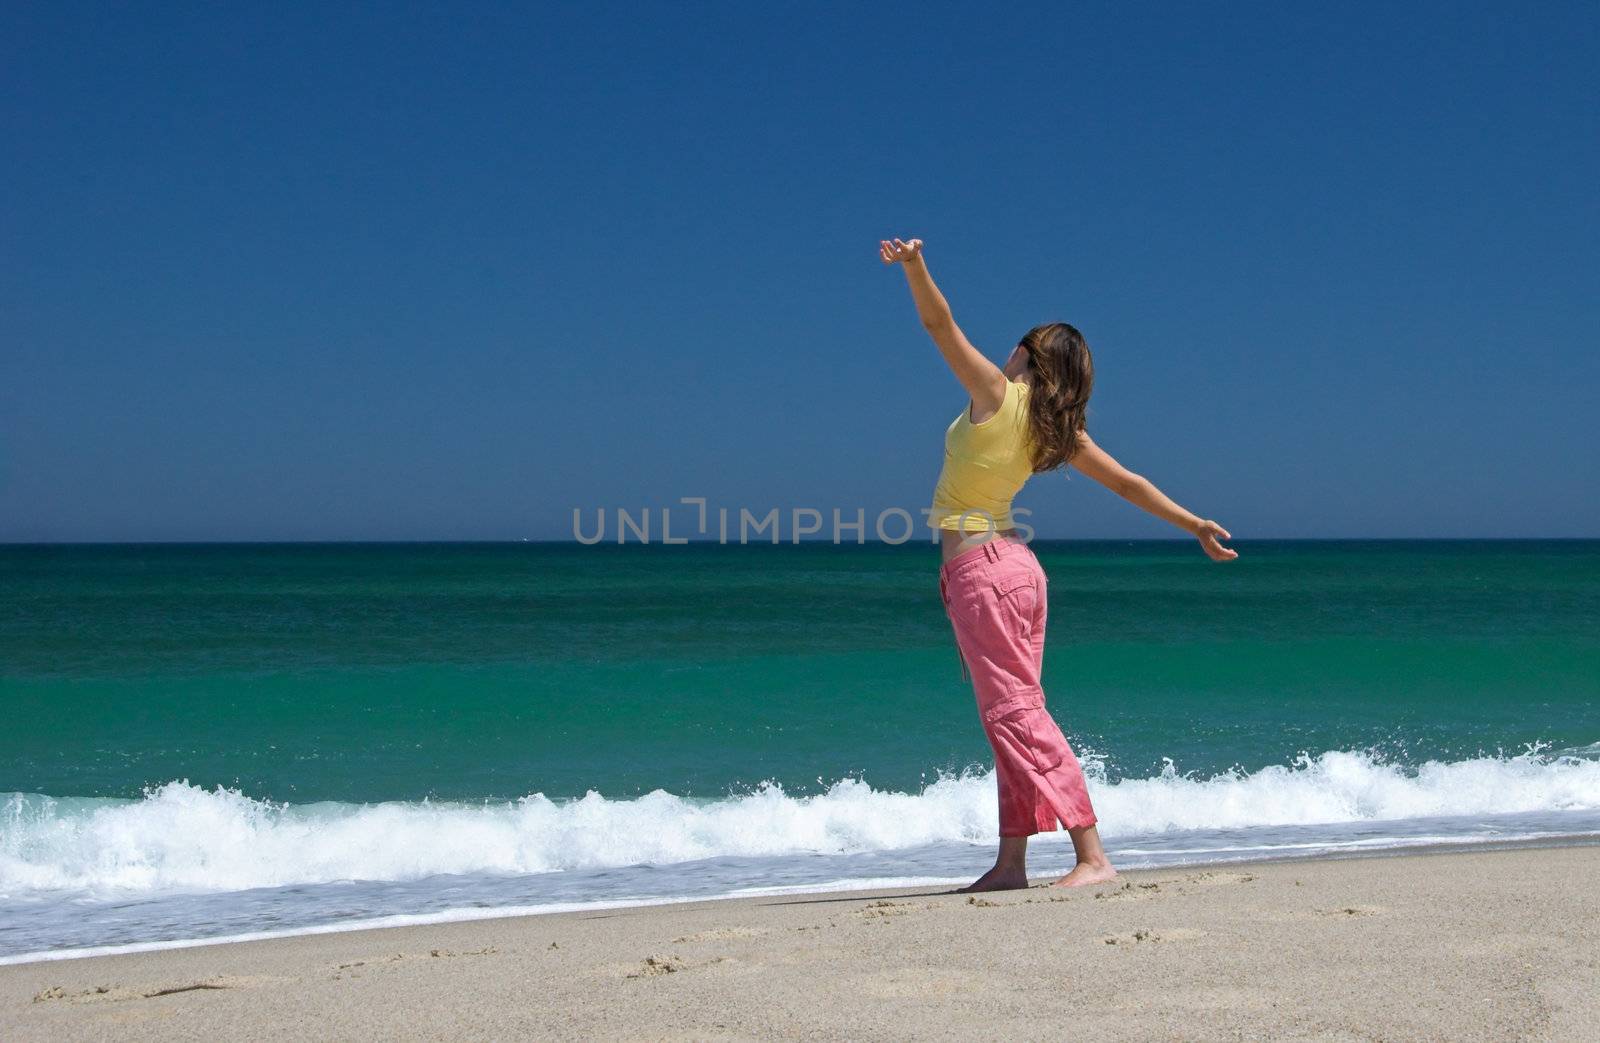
{"points": [[723, 934], [487, 950], [1212, 878], [655, 966], [111, 993], [1172, 934], [1130, 892], [885, 908], [1334, 913], [354, 966], [1346, 911]]}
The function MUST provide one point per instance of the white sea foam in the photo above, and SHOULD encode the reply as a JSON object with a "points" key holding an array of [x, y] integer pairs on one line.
{"points": [[179, 837]]}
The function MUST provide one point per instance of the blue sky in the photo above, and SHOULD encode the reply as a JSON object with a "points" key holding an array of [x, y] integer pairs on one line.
{"points": [[449, 272]]}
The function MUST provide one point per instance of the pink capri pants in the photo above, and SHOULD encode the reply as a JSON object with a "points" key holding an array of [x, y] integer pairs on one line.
{"points": [[994, 595]]}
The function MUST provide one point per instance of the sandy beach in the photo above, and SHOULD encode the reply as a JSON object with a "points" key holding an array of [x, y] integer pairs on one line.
{"points": [[1490, 944]]}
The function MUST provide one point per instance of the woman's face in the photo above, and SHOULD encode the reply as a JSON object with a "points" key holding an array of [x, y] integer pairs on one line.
{"points": [[1016, 367]]}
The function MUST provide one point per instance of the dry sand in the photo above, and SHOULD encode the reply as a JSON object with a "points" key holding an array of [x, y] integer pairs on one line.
{"points": [[1501, 945]]}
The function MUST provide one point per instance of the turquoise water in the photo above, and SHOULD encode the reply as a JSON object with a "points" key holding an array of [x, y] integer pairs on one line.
{"points": [[232, 720]]}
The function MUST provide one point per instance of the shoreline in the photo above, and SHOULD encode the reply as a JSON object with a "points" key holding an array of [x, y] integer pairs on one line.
{"points": [[519, 912], [467, 915], [1493, 943]]}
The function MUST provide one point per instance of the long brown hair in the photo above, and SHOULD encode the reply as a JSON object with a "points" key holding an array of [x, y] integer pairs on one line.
{"points": [[1058, 395]]}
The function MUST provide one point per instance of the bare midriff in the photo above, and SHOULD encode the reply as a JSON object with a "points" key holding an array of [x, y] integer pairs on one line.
{"points": [[953, 541]]}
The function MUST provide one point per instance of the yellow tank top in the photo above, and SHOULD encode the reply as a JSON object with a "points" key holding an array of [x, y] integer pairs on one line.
{"points": [[984, 466]]}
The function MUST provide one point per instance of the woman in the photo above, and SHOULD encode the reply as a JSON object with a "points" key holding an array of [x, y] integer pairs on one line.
{"points": [[1022, 420]]}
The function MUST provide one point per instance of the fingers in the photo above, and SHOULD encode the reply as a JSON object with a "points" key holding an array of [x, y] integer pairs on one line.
{"points": [[898, 249]]}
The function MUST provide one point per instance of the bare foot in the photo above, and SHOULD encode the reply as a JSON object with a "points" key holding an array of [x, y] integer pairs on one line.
{"points": [[1084, 874], [997, 879]]}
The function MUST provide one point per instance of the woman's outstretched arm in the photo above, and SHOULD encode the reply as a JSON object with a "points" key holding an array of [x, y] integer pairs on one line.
{"points": [[1142, 493], [983, 379]]}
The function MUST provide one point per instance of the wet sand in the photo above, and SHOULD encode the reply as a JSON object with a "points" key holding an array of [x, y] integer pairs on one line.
{"points": [[1500, 944]]}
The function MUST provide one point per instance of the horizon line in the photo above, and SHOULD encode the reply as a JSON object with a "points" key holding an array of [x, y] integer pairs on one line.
{"points": [[544, 541]]}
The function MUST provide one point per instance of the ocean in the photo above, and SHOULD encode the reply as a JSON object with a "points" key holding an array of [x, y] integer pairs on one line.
{"points": [[233, 740]]}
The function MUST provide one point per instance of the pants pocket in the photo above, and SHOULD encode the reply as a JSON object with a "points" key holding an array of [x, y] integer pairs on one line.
{"points": [[1010, 705], [1021, 722], [1048, 744], [1017, 595]]}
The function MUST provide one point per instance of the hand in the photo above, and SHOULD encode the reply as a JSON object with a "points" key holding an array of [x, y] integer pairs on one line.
{"points": [[895, 250], [1207, 534]]}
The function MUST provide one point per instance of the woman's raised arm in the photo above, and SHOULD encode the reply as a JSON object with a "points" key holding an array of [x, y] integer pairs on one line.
{"points": [[984, 381], [1142, 493]]}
